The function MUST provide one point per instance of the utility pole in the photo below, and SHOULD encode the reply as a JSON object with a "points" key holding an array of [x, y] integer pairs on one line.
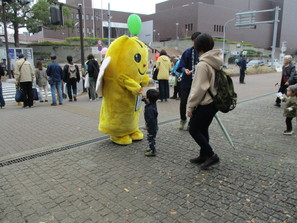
{"points": [[247, 20], [224, 37], [277, 9], [82, 55], [108, 24]]}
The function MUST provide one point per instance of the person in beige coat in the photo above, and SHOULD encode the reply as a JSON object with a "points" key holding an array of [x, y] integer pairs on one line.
{"points": [[164, 66], [41, 80], [200, 106], [24, 75]]}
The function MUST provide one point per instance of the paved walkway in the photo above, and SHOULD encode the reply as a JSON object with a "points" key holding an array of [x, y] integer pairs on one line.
{"points": [[102, 182]]}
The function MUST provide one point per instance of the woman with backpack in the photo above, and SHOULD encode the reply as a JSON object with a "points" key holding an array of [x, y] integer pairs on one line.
{"points": [[71, 77], [200, 106]]}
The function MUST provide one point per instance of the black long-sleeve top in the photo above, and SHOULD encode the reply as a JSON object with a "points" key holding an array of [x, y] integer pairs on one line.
{"points": [[151, 117]]}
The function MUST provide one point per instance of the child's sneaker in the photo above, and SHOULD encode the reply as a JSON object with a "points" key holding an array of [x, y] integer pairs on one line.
{"points": [[150, 153], [288, 132]]}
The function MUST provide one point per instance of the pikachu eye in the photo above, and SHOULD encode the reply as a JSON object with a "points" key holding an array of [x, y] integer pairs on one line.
{"points": [[137, 57]]}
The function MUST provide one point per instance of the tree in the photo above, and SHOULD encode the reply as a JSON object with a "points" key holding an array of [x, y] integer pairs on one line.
{"points": [[33, 18]]}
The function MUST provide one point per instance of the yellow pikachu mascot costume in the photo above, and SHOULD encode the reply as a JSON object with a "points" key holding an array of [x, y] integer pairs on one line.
{"points": [[120, 81]]}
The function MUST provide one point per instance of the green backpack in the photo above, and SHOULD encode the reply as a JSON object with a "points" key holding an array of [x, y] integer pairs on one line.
{"points": [[226, 98]]}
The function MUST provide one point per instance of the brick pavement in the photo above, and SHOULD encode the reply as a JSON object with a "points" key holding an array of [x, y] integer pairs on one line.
{"points": [[25, 131], [103, 182]]}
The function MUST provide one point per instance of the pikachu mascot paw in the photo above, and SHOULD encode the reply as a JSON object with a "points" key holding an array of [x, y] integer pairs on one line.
{"points": [[120, 81]]}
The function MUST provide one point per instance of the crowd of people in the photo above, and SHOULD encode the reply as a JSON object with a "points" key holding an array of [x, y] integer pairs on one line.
{"points": [[194, 84], [53, 77]]}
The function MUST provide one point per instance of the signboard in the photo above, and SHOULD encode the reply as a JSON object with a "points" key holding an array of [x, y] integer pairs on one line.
{"points": [[244, 53], [235, 53]]}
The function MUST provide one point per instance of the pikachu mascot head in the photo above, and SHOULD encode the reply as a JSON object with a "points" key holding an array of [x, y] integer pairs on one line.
{"points": [[120, 81]]}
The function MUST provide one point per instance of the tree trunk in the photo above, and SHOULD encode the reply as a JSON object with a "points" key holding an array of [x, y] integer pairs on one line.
{"points": [[16, 36], [16, 30]]}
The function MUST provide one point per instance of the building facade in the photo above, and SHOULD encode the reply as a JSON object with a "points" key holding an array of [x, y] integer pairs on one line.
{"points": [[176, 19]]}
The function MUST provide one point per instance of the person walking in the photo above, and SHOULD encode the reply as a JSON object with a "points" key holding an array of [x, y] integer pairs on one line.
{"points": [[201, 108], [287, 78], [151, 120], [2, 102], [71, 77], [55, 76], [163, 64], [242, 67], [93, 71], [187, 65], [24, 76], [41, 80]]}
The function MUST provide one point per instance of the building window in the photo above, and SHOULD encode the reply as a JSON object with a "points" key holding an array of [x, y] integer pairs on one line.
{"points": [[77, 16], [187, 26], [87, 17], [191, 26], [96, 17], [92, 17], [72, 16], [98, 31]]}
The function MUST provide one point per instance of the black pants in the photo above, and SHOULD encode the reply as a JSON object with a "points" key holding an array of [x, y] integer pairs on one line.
{"points": [[163, 89], [184, 94], [27, 95], [176, 88], [282, 89], [289, 124], [2, 102], [242, 75], [71, 86], [199, 124], [151, 138]]}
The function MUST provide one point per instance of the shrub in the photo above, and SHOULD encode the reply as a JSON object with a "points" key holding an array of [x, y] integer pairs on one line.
{"points": [[90, 40], [48, 43]]}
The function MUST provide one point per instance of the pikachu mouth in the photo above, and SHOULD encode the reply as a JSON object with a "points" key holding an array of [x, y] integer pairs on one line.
{"points": [[141, 72]]}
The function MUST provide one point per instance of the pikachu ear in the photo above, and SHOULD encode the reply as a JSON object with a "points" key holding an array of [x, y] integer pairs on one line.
{"points": [[99, 83]]}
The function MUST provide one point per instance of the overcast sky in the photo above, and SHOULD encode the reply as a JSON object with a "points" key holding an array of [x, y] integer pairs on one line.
{"points": [[136, 6]]}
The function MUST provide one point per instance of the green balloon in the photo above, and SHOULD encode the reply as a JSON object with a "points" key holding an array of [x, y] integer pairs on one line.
{"points": [[134, 24]]}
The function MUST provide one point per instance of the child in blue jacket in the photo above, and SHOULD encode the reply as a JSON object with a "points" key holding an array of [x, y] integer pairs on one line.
{"points": [[151, 120]]}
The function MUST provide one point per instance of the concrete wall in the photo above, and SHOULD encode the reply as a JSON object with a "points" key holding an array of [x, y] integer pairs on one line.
{"points": [[62, 52]]}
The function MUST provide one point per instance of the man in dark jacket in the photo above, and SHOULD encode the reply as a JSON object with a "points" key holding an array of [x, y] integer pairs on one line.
{"points": [[242, 66], [2, 102], [55, 74], [93, 70], [187, 65]]}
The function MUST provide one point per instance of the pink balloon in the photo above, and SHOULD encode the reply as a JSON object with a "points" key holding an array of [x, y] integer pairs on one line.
{"points": [[103, 51]]}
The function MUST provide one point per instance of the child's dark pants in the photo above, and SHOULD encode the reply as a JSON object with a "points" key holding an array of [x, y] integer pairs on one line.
{"points": [[289, 124], [151, 138]]}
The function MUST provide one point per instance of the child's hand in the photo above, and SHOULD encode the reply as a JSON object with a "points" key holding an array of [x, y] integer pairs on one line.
{"points": [[145, 128], [290, 109]]}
